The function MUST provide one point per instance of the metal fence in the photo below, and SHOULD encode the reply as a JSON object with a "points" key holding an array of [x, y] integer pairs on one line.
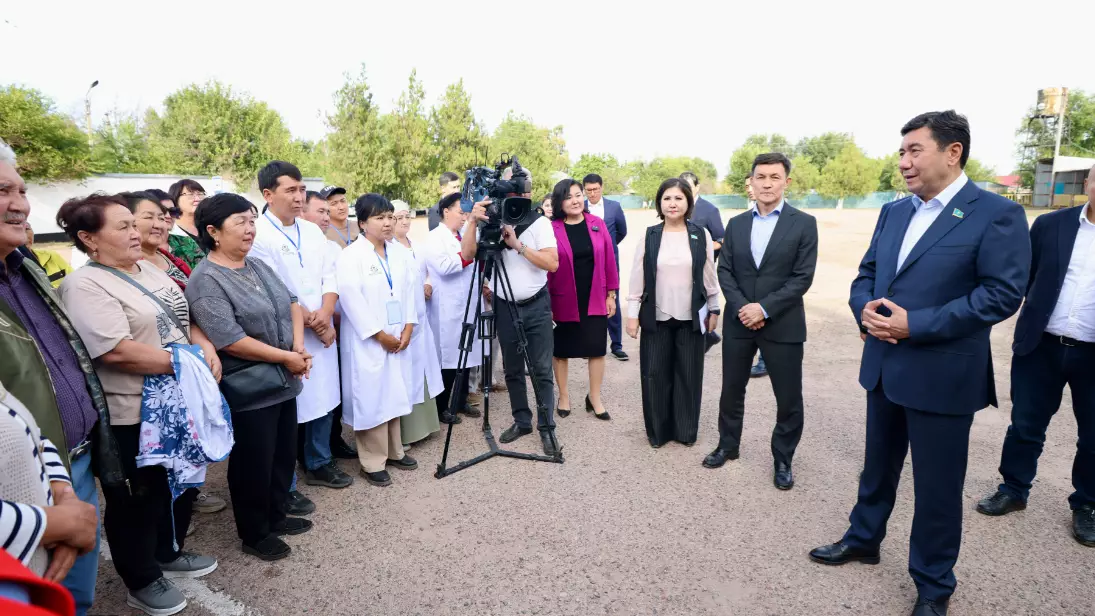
{"points": [[813, 201]]}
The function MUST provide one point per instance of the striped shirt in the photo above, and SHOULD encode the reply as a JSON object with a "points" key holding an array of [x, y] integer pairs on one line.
{"points": [[30, 463]]}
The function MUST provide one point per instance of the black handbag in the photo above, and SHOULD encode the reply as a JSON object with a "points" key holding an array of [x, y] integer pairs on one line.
{"points": [[244, 381]]}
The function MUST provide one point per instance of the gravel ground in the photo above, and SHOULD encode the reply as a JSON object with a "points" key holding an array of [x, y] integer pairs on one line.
{"points": [[621, 528]]}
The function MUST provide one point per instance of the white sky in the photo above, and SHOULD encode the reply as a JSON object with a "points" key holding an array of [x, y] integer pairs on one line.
{"points": [[676, 78]]}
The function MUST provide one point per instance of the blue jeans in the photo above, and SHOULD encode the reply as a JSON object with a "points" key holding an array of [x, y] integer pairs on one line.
{"points": [[317, 442], [80, 580]]}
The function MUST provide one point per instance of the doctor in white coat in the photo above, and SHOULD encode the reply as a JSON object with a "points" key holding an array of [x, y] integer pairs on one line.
{"points": [[297, 250], [425, 383], [376, 288], [451, 277]]}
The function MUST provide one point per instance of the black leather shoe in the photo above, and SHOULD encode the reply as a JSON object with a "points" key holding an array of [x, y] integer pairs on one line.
{"points": [[513, 433], [445, 419], [840, 554], [472, 412], [783, 478], [380, 478], [406, 463], [550, 443], [330, 476], [562, 412], [620, 355], [342, 451], [927, 607], [719, 457], [589, 408], [292, 526], [270, 548], [1083, 525], [299, 504], [1000, 503]]}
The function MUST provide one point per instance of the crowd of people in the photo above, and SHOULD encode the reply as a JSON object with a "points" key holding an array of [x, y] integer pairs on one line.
{"points": [[202, 324]]}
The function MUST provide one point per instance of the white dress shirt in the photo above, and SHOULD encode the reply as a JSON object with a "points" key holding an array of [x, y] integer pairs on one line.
{"points": [[761, 234], [1074, 315], [925, 215], [598, 209]]}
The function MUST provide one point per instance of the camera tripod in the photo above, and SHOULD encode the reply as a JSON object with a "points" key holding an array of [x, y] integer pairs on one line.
{"points": [[487, 257]]}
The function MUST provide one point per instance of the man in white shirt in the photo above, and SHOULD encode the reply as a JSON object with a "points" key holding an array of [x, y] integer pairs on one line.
{"points": [[298, 251], [1054, 346], [529, 255]]}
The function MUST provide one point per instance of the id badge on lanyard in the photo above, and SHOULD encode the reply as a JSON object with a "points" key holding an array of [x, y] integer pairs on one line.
{"points": [[394, 310]]}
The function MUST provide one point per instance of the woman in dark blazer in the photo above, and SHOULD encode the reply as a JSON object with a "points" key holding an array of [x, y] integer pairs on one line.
{"points": [[672, 280], [583, 292]]}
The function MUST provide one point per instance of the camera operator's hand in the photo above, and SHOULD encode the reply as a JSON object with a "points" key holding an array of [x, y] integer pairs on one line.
{"points": [[479, 211], [509, 236]]}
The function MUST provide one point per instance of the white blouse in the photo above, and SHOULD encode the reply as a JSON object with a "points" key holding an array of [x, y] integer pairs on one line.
{"points": [[673, 297]]}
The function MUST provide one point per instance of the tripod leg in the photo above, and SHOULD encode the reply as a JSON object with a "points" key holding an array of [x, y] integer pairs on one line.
{"points": [[449, 415]]}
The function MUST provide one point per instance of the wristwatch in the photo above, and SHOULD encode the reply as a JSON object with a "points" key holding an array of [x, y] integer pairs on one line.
{"points": [[522, 249]]}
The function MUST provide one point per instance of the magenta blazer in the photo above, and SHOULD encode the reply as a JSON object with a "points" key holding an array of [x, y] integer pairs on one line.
{"points": [[564, 295]]}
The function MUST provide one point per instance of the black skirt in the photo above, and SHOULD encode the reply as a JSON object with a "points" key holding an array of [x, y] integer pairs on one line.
{"points": [[588, 337]]}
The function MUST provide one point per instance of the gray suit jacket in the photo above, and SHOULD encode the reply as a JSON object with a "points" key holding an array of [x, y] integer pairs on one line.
{"points": [[785, 274]]}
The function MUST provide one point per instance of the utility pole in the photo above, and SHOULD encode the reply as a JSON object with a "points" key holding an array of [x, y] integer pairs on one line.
{"points": [[87, 111], [1057, 147]]}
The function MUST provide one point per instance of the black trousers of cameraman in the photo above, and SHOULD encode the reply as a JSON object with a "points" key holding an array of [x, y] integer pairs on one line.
{"points": [[535, 314]]}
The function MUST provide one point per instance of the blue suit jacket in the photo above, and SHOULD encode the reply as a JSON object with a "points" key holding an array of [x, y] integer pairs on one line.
{"points": [[1052, 237], [968, 272], [616, 223]]}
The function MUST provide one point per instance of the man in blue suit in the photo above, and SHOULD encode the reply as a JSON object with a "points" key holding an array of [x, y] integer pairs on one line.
{"points": [[1054, 346], [613, 215], [943, 267]]}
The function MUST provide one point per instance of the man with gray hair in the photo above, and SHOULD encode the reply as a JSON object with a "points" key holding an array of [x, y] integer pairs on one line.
{"points": [[51, 372]]}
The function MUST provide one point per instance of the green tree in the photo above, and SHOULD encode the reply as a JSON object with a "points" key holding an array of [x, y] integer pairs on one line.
{"points": [[890, 177], [979, 172], [358, 157], [851, 173], [614, 174], [741, 161], [408, 133], [49, 145], [648, 176], [1036, 138], [823, 148], [310, 157], [541, 150], [209, 129], [805, 176], [121, 146], [459, 137]]}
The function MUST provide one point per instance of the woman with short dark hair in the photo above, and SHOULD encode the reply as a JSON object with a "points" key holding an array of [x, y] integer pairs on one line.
{"points": [[583, 292], [186, 195], [151, 219], [672, 279], [258, 329], [108, 301]]}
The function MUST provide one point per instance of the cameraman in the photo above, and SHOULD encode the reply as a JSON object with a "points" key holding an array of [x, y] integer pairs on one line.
{"points": [[528, 258]]}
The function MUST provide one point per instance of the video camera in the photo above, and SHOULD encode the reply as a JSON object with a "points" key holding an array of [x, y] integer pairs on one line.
{"points": [[483, 182]]}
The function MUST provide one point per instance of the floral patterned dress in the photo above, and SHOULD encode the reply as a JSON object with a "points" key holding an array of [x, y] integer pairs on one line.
{"points": [[186, 248]]}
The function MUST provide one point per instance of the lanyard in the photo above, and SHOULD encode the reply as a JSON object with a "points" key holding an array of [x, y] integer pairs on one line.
{"points": [[295, 244], [345, 238], [387, 271]]}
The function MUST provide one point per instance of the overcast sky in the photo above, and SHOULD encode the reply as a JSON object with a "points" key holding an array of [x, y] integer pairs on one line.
{"points": [[684, 78]]}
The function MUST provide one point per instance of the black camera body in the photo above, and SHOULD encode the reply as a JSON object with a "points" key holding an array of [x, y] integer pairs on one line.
{"points": [[481, 183]]}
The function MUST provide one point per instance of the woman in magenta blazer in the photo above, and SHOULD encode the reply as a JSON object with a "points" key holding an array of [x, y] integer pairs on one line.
{"points": [[583, 292]]}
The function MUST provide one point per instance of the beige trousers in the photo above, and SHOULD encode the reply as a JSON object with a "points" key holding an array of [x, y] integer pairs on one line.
{"points": [[376, 446]]}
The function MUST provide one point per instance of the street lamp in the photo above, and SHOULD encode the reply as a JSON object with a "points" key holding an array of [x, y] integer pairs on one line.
{"points": [[87, 110]]}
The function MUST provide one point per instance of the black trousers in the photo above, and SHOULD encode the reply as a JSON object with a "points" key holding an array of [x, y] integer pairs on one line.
{"points": [[261, 468], [784, 361], [448, 379], [671, 369], [535, 316], [139, 525]]}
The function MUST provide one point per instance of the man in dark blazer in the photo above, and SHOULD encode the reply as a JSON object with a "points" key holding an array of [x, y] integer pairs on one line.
{"points": [[450, 183], [767, 264], [613, 215], [704, 213], [943, 267], [1054, 346]]}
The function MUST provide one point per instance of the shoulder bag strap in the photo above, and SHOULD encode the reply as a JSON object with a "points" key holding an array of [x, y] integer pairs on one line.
{"points": [[273, 302], [169, 312]]}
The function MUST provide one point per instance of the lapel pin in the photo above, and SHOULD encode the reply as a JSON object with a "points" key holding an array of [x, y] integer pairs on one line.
{"points": [[695, 238], [957, 213]]}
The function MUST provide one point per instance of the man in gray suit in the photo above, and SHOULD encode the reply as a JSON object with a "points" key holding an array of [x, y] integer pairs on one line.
{"points": [[767, 264]]}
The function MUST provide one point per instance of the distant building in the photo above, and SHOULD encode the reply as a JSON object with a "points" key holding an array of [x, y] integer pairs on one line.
{"points": [[1068, 188]]}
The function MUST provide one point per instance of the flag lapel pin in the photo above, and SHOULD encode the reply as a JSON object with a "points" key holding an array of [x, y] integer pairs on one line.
{"points": [[957, 213]]}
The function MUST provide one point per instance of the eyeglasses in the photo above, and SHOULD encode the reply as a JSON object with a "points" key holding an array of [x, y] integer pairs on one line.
{"points": [[198, 196]]}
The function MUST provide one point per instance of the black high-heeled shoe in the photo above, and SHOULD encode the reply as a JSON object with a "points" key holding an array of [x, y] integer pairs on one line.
{"points": [[589, 409], [562, 412]]}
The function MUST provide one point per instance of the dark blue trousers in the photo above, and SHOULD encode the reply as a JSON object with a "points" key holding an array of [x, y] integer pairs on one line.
{"points": [[615, 322], [940, 444], [1037, 383]]}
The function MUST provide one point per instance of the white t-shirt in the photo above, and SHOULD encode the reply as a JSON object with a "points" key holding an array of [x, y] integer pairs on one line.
{"points": [[525, 278], [598, 209]]}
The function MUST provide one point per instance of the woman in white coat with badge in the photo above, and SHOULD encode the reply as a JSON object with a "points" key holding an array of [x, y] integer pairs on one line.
{"points": [[451, 277], [377, 296], [425, 383]]}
